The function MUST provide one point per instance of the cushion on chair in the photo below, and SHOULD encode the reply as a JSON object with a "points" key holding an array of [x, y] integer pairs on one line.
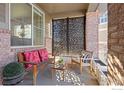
{"points": [[43, 55], [32, 56], [27, 59], [21, 58]]}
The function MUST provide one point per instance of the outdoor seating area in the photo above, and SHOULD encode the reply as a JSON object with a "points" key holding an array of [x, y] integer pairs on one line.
{"points": [[62, 76], [61, 44], [60, 68], [48, 45]]}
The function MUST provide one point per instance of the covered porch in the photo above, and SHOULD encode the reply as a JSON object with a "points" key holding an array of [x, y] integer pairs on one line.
{"points": [[36, 28]]}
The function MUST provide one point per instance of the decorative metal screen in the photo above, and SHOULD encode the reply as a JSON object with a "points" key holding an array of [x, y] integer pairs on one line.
{"points": [[76, 34], [68, 35], [59, 36]]}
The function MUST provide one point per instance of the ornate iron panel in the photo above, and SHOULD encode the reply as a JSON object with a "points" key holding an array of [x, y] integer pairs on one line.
{"points": [[59, 36], [68, 35], [76, 34]]}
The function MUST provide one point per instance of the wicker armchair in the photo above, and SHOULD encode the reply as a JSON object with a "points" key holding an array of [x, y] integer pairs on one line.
{"points": [[83, 56]]}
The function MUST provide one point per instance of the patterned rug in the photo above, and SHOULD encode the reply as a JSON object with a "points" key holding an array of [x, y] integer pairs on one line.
{"points": [[70, 77]]}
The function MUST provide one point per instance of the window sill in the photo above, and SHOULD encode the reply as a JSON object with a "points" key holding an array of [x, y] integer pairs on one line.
{"points": [[12, 47]]}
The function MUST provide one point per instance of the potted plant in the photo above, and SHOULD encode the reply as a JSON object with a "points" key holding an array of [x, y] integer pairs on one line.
{"points": [[61, 62], [13, 73]]}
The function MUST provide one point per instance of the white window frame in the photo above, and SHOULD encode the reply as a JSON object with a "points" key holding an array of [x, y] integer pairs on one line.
{"points": [[39, 10], [103, 17]]}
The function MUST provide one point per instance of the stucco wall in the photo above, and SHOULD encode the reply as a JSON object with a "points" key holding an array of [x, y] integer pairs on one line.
{"points": [[102, 37], [67, 14]]}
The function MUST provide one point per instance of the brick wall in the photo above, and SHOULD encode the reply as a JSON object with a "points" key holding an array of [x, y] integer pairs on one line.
{"points": [[92, 32], [5, 54], [116, 44], [8, 54]]}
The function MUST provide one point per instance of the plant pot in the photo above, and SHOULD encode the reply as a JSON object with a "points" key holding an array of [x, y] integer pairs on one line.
{"points": [[13, 73], [13, 80]]}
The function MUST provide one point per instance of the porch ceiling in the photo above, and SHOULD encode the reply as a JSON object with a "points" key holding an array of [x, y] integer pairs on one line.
{"points": [[53, 8]]}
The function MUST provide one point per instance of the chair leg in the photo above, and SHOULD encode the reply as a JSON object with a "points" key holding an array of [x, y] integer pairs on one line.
{"points": [[91, 66], [81, 66], [42, 68], [34, 74], [63, 75], [80, 69]]}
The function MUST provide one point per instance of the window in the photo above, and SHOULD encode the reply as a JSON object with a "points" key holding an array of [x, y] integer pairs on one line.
{"points": [[2, 12], [27, 25], [4, 15], [21, 21], [103, 18], [38, 27]]}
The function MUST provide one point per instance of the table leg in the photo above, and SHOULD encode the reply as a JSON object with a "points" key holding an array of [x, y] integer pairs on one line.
{"points": [[51, 73], [42, 68], [34, 74]]}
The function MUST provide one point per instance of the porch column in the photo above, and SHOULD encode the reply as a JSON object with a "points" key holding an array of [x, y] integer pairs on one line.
{"points": [[92, 32]]}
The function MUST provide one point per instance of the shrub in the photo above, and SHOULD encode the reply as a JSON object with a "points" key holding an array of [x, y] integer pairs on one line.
{"points": [[13, 69]]}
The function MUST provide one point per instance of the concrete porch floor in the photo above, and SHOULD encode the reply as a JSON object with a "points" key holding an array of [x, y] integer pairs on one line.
{"points": [[72, 77]]}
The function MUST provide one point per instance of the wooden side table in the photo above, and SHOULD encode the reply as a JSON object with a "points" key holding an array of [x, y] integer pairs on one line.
{"points": [[59, 67]]}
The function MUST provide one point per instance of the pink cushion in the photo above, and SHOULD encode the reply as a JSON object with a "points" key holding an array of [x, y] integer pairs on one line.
{"points": [[27, 59], [32, 56], [35, 57], [43, 54]]}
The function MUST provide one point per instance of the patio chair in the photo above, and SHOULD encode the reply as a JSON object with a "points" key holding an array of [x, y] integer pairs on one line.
{"points": [[47, 58], [83, 57], [41, 58], [29, 64]]}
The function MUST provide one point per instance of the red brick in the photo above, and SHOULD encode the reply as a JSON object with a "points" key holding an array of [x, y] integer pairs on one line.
{"points": [[121, 41], [115, 44], [92, 32], [113, 41]]}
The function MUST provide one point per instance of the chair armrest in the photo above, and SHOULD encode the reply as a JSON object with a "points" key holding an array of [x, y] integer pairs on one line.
{"points": [[32, 63], [77, 56]]}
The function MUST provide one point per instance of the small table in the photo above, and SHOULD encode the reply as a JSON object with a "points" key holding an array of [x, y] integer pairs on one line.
{"points": [[61, 67]]}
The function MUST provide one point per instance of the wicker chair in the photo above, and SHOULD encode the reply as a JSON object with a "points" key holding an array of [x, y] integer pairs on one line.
{"points": [[21, 59], [81, 58]]}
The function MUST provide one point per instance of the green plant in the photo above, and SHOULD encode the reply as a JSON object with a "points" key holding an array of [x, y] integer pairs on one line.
{"points": [[13, 69], [61, 61]]}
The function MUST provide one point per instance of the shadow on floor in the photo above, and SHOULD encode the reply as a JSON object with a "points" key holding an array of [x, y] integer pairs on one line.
{"points": [[72, 77]]}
